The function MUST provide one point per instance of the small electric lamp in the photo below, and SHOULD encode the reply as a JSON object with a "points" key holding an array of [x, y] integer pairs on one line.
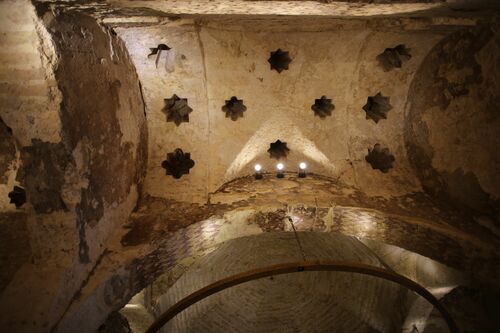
{"points": [[258, 174], [280, 168], [302, 170]]}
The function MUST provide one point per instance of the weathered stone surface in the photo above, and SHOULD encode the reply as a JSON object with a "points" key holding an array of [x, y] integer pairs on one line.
{"points": [[42, 174], [452, 125], [320, 8], [473, 310], [7, 150], [89, 153], [115, 290], [115, 323], [15, 247], [83, 184], [29, 96]]}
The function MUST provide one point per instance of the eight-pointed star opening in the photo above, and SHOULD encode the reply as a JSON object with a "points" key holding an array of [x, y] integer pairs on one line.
{"points": [[177, 163], [279, 60], [234, 108], [177, 109], [394, 57], [376, 107], [278, 150], [380, 158], [17, 196], [323, 107]]}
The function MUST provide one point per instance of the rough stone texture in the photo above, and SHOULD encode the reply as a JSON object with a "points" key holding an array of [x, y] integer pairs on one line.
{"points": [[8, 166], [91, 133], [7, 151], [453, 121], [163, 235], [82, 183], [474, 311], [313, 8], [42, 173], [136, 313], [29, 95], [116, 323], [14, 246]]}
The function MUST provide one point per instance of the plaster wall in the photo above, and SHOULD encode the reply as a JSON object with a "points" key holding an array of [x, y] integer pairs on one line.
{"points": [[211, 61]]}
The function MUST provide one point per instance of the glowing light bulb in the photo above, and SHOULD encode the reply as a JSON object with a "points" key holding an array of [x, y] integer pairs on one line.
{"points": [[258, 174], [302, 170], [280, 167]]}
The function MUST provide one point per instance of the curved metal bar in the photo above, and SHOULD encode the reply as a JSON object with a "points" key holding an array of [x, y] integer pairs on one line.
{"points": [[293, 267]]}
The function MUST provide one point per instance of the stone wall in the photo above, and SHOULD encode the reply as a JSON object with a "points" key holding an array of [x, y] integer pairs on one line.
{"points": [[75, 140], [453, 120], [81, 157]]}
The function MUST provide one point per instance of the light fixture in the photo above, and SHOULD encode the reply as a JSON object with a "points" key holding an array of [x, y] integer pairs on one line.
{"points": [[258, 174], [280, 168], [302, 170]]}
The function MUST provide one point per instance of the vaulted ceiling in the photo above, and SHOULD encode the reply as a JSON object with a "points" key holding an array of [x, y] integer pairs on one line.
{"points": [[130, 132]]}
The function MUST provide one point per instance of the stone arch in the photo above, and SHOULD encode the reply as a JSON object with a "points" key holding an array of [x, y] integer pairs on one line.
{"points": [[81, 159], [232, 216]]}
